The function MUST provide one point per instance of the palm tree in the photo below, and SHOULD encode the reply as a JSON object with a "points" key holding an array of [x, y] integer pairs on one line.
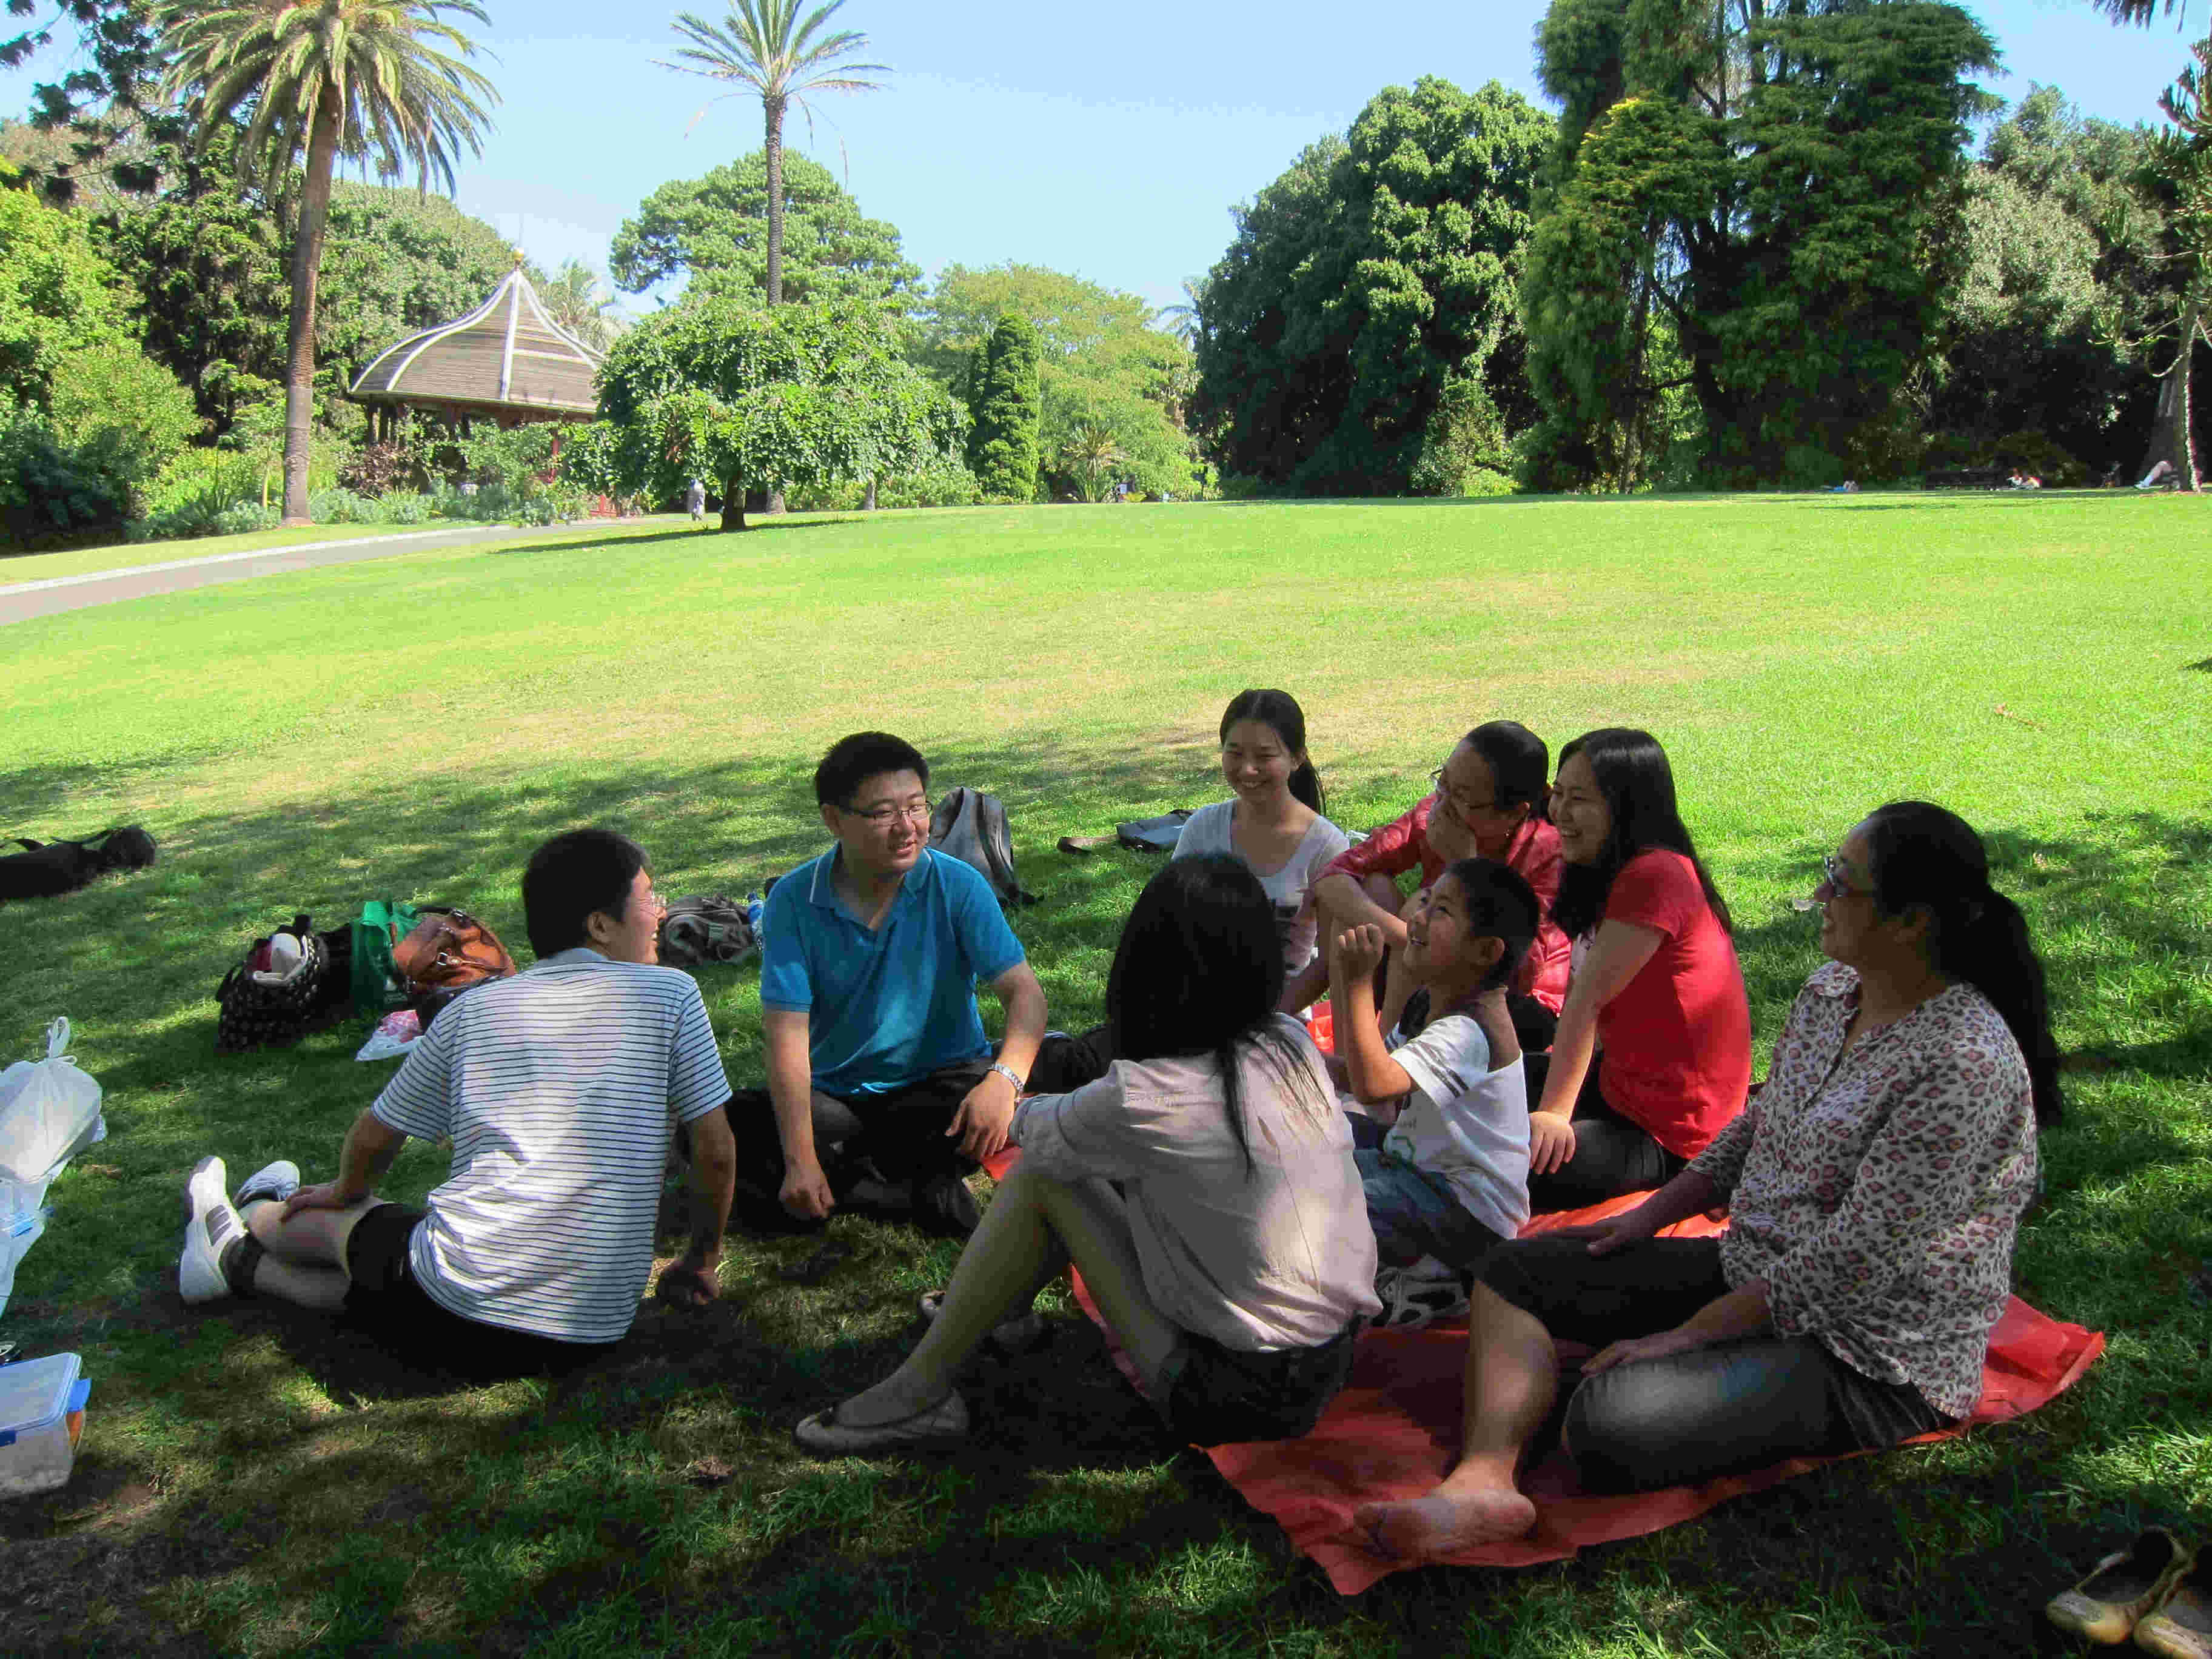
{"points": [[319, 81], [575, 299], [1092, 456], [763, 45], [1186, 321]]}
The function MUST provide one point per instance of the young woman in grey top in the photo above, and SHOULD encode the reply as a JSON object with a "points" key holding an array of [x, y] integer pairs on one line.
{"points": [[1275, 822]]}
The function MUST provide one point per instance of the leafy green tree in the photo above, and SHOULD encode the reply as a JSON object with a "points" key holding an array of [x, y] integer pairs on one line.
{"points": [[1101, 363], [125, 414], [1772, 188], [2182, 155], [806, 395], [1360, 280], [362, 79], [1005, 405], [2067, 278], [56, 295], [764, 45], [714, 231]]}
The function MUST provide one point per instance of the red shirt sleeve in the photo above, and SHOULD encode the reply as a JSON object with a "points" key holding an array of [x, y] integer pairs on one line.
{"points": [[1534, 856], [1392, 850], [1658, 890]]}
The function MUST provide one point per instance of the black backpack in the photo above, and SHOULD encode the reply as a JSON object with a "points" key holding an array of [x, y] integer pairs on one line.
{"points": [[50, 868], [971, 826]]}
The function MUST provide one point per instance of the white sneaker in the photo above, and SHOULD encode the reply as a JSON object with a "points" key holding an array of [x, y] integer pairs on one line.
{"points": [[275, 1182], [210, 1225], [1410, 1302]]}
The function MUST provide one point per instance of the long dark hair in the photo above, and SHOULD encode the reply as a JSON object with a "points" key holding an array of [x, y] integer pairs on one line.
{"points": [[1199, 971], [1520, 764], [1638, 787], [1278, 711], [1921, 854]]}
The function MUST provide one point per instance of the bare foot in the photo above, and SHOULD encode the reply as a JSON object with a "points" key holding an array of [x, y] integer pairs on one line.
{"points": [[1445, 1523]]}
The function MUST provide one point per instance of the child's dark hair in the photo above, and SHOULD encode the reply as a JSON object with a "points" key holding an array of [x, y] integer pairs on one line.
{"points": [[1199, 971], [1278, 711], [1519, 763], [1498, 903]]}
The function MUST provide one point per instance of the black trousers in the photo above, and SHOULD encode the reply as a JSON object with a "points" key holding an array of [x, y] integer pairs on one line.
{"points": [[1612, 1155], [900, 1133], [1691, 1417]]}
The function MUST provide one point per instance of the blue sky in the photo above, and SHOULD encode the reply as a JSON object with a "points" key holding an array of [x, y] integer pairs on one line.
{"points": [[1107, 144]]}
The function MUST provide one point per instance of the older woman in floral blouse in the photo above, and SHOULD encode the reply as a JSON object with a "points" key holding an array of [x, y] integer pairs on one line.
{"points": [[1874, 1187]]}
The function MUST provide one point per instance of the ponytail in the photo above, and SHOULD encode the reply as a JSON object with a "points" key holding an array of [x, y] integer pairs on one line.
{"points": [[1922, 856]]}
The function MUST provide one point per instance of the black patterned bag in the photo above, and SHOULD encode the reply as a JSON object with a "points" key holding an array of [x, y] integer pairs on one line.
{"points": [[278, 991]]}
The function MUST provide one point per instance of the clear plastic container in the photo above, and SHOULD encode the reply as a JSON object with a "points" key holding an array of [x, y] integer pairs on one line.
{"points": [[42, 1418], [17, 1235]]}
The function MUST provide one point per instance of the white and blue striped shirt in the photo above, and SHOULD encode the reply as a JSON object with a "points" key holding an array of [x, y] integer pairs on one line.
{"points": [[557, 1087]]}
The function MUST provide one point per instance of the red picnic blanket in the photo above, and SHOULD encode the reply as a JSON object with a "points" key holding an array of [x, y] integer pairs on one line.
{"points": [[1393, 1432]]}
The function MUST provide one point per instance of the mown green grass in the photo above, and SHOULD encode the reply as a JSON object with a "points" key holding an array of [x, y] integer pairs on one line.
{"points": [[254, 1481]]}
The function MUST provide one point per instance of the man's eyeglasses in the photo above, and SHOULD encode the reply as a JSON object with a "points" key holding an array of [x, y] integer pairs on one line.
{"points": [[882, 817], [1460, 803]]}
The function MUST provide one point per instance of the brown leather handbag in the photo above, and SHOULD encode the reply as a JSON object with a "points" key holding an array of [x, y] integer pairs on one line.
{"points": [[447, 953]]}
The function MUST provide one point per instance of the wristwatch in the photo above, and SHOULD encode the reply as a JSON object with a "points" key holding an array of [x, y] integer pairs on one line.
{"points": [[1011, 1076]]}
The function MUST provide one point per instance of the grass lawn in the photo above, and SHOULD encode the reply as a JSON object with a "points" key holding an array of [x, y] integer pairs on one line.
{"points": [[252, 1481]]}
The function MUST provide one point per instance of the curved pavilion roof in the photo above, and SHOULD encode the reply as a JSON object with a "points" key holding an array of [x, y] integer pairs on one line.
{"points": [[507, 358]]}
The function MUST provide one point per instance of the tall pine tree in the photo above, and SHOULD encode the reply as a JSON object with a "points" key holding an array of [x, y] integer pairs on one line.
{"points": [[1004, 399]]}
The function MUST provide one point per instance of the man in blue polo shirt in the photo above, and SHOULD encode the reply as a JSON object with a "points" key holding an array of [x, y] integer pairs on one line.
{"points": [[884, 1088]]}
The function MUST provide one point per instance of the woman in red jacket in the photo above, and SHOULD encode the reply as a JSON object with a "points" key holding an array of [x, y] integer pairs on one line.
{"points": [[1652, 1057], [1488, 803]]}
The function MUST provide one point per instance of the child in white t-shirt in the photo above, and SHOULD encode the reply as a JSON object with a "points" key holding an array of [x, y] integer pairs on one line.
{"points": [[1443, 1155]]}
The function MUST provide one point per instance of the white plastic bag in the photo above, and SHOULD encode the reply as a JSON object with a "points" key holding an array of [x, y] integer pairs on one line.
{"points": [[49, 1112]]}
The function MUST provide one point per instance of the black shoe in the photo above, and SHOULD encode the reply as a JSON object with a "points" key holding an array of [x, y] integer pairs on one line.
{"points": [[944, 1207]]}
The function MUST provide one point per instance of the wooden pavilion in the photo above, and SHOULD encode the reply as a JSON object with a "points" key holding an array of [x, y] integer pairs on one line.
{"points": [[507, 361]]}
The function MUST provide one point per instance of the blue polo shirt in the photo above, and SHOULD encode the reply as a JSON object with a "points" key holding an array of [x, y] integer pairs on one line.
{"points": [[884, 1008]]}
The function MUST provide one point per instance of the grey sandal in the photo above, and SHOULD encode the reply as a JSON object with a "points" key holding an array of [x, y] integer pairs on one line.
{"points": [[940, 1427]]}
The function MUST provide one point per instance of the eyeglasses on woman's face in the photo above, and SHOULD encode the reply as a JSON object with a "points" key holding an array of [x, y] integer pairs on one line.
{"points": [[1464, 802], [1836, 878]]}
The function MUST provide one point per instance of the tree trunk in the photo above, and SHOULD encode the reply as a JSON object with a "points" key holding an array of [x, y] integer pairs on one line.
{"points": [[733, 504], [2171, 437], [869, 505], [773, 109], [307, 270]]}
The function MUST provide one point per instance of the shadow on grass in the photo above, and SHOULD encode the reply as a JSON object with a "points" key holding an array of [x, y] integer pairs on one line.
{"points": [[280, 1483]]}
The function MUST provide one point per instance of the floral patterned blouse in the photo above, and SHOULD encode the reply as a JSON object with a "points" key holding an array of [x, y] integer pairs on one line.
{"points": [[1877, 1190]]}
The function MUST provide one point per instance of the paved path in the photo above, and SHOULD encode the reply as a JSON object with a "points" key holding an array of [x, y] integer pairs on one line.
{"points": [[40, 598]]}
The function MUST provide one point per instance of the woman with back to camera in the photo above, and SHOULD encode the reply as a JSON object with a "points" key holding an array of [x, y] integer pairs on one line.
{"points": [[1874, 1189], [1655, 986], [1205, 1186]]}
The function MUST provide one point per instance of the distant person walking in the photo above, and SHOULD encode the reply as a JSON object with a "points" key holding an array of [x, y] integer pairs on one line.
{"points": [[694, 501]]}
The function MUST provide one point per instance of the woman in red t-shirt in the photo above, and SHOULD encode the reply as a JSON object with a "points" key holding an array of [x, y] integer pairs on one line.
{"points": [[1489, 803], [1656, 995]]}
